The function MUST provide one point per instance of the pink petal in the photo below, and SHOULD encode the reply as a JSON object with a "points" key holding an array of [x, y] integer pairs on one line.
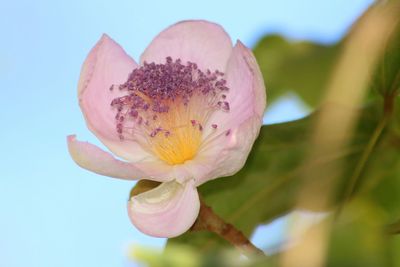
{"points": [[226, 154], [94, 159], [107, 64], [198, 41], [165, 211], [226, 157], [246, 96]]}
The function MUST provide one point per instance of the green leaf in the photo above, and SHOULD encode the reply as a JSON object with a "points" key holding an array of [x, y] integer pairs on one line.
{"points": [[178, 256], [303, 67], [357, 239], [381, 177], [386, 79], [267, 186]]}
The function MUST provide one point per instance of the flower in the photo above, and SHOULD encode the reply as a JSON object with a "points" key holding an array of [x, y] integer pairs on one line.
{"points": [[189, 112]]}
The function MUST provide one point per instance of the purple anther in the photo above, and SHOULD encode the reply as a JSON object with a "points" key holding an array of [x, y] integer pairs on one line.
{"points": [[153, 133], [214, 126], [119, 128], [193, 122], [134, 113], [225, 106], [115, 102], [228, 132]]}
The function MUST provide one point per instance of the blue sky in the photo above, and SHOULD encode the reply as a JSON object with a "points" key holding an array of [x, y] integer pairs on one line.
{"points": [[52, 212]]}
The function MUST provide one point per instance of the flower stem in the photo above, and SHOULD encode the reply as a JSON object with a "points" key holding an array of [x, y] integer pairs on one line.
{"points": [[209, 221]]}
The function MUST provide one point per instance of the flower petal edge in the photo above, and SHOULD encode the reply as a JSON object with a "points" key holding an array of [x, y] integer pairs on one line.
{"points": [[165, 211], [199, 41]]}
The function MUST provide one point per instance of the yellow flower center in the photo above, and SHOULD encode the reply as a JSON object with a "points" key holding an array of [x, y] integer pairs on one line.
{"points": [[184, 139]]}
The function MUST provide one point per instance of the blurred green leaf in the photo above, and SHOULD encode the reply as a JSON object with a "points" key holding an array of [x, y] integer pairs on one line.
{"points": [[386, 79], [186, 256], [358, 239], [381, 177], [394, 247], [266, 187], [177, 256], [303, 67]]}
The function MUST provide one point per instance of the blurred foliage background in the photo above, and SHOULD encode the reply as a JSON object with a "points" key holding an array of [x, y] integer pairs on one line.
{"points": [[342, 160]]}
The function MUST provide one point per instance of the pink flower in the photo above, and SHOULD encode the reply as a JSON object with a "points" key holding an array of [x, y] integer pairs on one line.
{"points": [[189, 112]]}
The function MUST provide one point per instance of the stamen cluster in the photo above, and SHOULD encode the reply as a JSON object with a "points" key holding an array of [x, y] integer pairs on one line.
{"points": [[153, 89]]}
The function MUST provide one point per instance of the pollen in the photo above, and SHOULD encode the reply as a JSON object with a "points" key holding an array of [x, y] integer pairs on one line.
{"points": [[166, 107]]}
